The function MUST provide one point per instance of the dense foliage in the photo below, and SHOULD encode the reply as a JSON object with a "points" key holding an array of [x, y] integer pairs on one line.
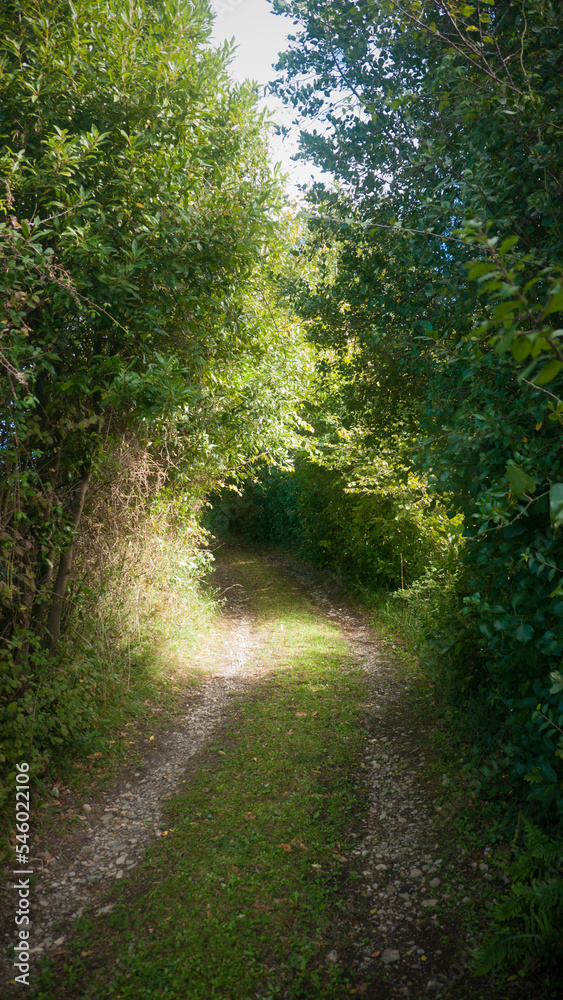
{"points": [[137, 232], [442, 124]]}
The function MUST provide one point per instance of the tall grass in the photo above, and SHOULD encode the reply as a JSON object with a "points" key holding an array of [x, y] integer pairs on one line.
{"points": [[136, 611]]}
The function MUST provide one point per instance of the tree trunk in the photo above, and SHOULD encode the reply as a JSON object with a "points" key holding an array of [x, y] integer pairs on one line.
{"points": [[63, 572]]}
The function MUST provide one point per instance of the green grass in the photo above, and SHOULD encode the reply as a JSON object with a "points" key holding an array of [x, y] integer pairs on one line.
{"points": [[240, 895]]}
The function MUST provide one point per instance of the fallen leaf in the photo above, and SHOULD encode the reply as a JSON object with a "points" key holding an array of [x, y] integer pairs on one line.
{"points": [[314, 713], [301, 713], [290, 732], [375, 954], [151, 738], [286, 847]]}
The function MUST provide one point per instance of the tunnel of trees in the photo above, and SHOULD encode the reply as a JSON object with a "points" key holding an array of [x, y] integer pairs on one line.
{"points": [[372, 379]]}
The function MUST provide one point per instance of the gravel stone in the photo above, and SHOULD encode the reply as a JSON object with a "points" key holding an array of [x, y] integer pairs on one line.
{"points": [[390, 955]]}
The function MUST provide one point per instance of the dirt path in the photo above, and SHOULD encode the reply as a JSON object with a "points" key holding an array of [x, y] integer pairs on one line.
{"points": [[75, 868], [408, 882]]}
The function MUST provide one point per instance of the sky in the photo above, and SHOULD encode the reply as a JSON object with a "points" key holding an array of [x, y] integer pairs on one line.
{"points": [[260, 35]]}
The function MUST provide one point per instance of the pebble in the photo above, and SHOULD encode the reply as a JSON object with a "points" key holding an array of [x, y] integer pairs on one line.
{"points": [[390, 955]]}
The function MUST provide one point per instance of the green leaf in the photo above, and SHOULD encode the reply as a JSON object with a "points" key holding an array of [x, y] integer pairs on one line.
{"points": [[556, 504], [521, 348], [548, 373], [484, 267], [556, 304], [507, 244], [502, 310], [548, 771], [520, 481], [524, 633]]}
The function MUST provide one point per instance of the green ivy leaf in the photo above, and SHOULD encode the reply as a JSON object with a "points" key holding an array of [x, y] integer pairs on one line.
{"points": [[524, 633]]}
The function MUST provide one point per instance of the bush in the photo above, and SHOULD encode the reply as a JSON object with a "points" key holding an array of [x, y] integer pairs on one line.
{"points": [[134, 608], [375, 531]]}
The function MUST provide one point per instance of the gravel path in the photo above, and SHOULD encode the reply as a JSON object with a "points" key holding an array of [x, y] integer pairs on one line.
{"points": [[405, 911], [74, 870], [408, 911]]}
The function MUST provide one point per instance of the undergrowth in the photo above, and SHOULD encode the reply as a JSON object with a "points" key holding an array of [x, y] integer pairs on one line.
{"points": [[527, 922], [136, 614], [424, 622]]}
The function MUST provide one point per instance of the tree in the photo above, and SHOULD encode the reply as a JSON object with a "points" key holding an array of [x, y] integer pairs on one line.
{"points": [[442, 126], [138, 232]]}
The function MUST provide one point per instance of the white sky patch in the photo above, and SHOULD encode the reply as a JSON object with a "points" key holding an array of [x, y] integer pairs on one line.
{"points": [[260, 35]]}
